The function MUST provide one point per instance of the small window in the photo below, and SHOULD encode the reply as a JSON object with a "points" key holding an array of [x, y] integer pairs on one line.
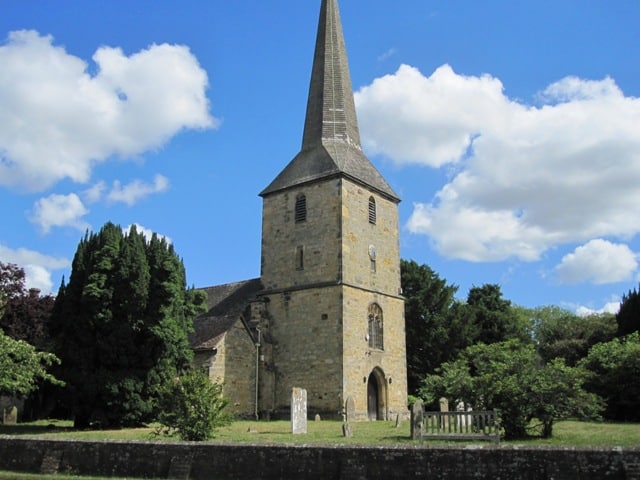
{"points": [[301, 208], [375, 327], [372, 210], [300, 257]]}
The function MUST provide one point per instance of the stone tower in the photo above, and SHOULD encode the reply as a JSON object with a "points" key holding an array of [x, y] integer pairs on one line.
{"points": [[333, 314]]}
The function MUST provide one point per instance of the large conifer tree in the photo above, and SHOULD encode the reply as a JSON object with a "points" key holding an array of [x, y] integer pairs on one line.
{"points": [[121, 326]]}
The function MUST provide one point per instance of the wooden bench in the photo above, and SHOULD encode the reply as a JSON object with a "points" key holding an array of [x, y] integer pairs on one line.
{"points": [[469, 425]]}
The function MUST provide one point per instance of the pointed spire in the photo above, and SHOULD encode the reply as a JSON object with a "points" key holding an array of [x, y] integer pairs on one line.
{"points": [[331, 113], [331, 140]]}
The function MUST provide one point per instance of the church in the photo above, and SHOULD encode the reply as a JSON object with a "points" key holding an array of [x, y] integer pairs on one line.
{"points": [[327, 313]]}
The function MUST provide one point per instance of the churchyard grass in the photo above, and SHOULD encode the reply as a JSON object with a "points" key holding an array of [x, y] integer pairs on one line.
{"points": [[565, 433]]}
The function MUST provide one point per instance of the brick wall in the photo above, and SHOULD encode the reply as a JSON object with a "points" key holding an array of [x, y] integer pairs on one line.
{"points": [[239, 462]]}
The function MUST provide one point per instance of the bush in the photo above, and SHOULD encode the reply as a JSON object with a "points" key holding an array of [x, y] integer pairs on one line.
{"points": [[192, 407]]}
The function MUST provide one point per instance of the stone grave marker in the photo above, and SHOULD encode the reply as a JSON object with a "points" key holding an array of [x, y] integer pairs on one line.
{"points": [[10, 415], [298, 411], [350, 409], [417, 418]]}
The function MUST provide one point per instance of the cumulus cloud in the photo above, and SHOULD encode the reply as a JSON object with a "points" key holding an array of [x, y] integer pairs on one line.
{"points": [[37, 267], [59, 211], [527, 178], [130, 193], [609, 307], [599, 262], [58, 120], [147, 232]]}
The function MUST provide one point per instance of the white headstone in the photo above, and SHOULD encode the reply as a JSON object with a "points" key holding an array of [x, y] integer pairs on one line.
{"points": [[298, 411]]}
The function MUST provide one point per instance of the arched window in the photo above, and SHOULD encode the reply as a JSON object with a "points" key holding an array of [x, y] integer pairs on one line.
{"points": [[301, 208], [372, 210], [375, 327]]}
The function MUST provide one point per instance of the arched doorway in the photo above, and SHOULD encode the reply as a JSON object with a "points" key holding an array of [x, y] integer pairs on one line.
{"points": [[376, 395]]}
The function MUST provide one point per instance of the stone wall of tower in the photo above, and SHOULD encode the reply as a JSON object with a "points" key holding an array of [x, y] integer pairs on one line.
{"points": [[360, 360], [306, 328], [319, 236]]}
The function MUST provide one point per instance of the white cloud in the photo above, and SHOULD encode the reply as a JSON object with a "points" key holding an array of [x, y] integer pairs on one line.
{"points": [[609, 307], [59, 211], [37, 267], [599, 262], [147, 232], [527, 178], [132, 192], [57, 120]]}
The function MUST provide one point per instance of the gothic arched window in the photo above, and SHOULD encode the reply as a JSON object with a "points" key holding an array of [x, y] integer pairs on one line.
{"points": [[372, 210], [375, 327], [301, 208]]}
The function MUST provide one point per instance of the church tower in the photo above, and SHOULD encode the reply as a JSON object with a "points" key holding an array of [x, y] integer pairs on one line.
{"points": [[333, 310]]}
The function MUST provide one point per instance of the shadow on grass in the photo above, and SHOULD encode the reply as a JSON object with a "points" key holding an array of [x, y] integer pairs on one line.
{"points": [[35, 429]]}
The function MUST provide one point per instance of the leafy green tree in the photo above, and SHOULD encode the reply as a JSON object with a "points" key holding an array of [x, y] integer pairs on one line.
{"points": [[121, 326], [493, 317], [192, 407], [628, 317], [615, 368], [22, 367], [560, 333], [510, 377], [435, 328]]}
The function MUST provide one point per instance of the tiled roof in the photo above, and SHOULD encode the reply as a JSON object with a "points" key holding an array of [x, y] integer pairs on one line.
{"points": [[226, 303]]}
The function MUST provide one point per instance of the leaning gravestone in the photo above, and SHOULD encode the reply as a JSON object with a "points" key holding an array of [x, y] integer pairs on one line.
{"points": [[10, 415], [298, 410], [349, 415], [417, 417]]}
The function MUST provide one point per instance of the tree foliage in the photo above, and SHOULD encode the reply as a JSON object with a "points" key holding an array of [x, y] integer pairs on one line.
{"points": [[120, 326], [22, 368], [510, 376], [560, 333], [435, 331], [192, 407], [615, 368], [628, 317], [24, 313]]}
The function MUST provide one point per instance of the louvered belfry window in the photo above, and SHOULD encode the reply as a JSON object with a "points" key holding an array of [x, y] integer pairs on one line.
{"points": [[301, 208], [372, 210], [375, 327]]}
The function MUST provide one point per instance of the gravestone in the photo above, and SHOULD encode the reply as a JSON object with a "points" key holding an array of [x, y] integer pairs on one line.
{"points": [[350, 409], [10, 415], [180, 467], [417, 418], [298, 411], [51, 461], [444, 407]]}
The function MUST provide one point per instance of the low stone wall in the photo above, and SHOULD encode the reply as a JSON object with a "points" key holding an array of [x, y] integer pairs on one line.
{"points": [[239, 462]]}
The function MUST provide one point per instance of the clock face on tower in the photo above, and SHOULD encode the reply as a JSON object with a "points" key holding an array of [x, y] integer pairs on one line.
{"points": [[372, 252]]}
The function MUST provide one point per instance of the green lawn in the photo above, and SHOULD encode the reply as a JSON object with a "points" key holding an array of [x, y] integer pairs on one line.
{"points": [[567, 433]]}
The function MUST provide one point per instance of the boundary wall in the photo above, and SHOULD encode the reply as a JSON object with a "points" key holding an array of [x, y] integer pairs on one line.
{"points": [[212, 461]]}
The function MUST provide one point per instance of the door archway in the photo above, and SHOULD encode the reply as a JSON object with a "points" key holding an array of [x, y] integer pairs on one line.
{"points": [[376, 395]]}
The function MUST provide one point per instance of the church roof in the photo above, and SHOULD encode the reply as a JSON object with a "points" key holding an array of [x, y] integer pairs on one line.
{"points": [[226, 304], [331, 139]]}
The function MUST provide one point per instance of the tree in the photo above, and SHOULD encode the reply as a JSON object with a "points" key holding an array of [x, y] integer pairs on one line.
{"points": [[22, 368], [493, 317], [24, 313], [628, 317], [510, 377], [121, 326], [560, 333], [192, 407], [435, 328], [615, 376]]}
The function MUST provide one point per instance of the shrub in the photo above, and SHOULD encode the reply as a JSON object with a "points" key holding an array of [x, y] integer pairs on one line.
{"points": [[192, 407]]}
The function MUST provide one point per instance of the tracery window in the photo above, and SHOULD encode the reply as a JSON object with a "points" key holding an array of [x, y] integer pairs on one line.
{"points": [[301, 208], [375, 327], [372, 211]]}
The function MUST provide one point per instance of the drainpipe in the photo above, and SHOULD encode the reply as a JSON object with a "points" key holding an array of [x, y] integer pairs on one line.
{"points": [[257, 370]]}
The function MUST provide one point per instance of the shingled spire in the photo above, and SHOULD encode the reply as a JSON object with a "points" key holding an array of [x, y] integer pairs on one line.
{"points": [[331, 140]]}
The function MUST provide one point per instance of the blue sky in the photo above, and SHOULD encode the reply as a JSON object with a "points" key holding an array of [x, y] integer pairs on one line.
{"points": [[510, 129]]}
